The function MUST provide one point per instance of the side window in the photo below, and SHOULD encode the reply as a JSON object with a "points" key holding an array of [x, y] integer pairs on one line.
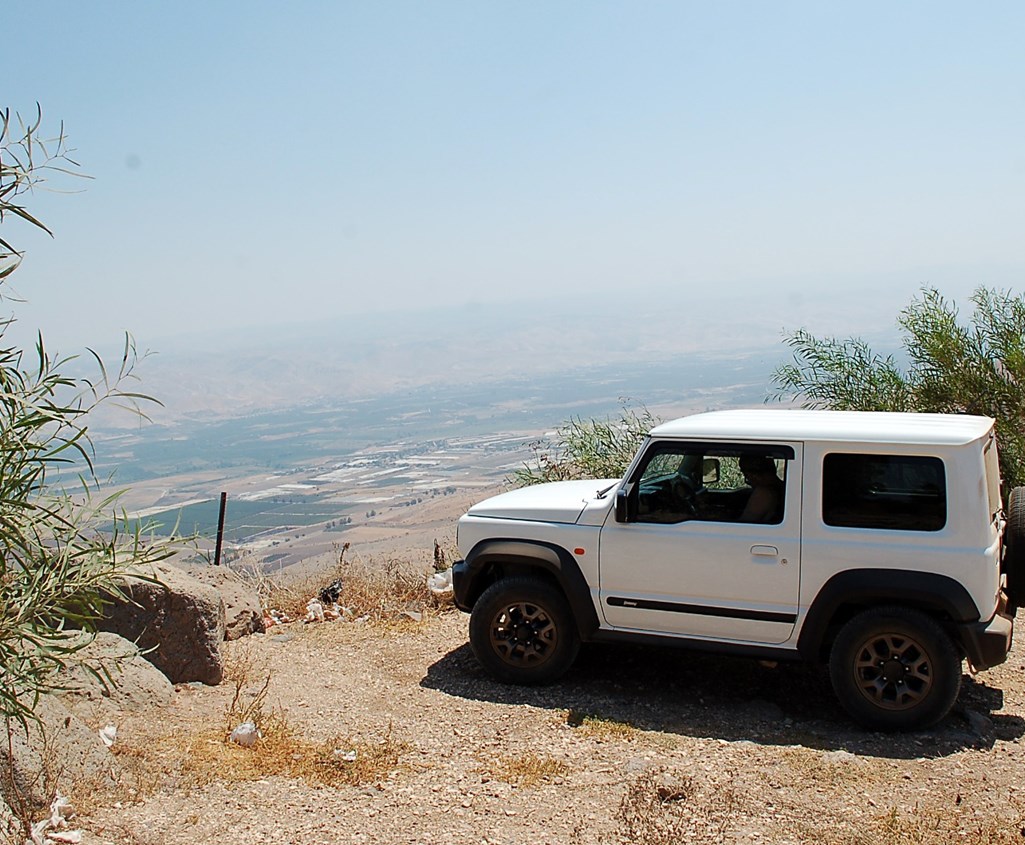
{"points": [[665, 486], [895, 492], [992, 478], [679, 482]]}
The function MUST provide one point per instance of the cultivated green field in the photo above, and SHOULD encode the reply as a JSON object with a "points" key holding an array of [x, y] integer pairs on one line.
{"points": [[245, 520]]}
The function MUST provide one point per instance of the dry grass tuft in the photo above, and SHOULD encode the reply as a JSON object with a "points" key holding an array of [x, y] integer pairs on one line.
{"points": [[934, 826], [650, 811], [661, 808], [600, 728], [380, 592], [203, 758], [525, 770], [807, 764]]}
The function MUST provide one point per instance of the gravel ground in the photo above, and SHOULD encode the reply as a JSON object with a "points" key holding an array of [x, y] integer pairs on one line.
{"points": [[634, 745]]}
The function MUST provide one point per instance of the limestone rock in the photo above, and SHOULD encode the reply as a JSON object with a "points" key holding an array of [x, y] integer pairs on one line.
{"points": [[121, 680], [59, 753], [243, 613], [178, 623]]}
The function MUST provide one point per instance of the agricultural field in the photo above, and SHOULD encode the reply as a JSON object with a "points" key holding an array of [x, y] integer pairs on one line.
{"points": [[303, 480]]}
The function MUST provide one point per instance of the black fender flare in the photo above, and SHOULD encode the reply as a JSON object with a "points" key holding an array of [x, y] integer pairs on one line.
{"points": [[856, 589], [474, 574]]}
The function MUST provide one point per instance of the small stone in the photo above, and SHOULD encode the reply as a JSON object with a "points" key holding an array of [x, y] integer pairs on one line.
{"points": [[839, 757]]}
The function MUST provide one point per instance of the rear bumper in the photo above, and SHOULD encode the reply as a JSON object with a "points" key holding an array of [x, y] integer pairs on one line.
{"points": [[986, 644]]}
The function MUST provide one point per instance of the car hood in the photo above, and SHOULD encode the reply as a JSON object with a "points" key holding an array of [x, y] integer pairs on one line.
{"points": [[558, 501]]}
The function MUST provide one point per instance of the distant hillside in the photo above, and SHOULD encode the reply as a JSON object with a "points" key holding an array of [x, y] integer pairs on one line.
{"points": [[236, 374]]}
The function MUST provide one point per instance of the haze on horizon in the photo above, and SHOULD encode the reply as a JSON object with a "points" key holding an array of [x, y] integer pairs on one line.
{"points": [[259, 164]]}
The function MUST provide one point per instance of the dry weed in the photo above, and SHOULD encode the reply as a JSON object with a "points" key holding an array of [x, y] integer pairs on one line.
{"points": [[600, 728], [798, 764], [525, 770], [250, 683], [380, 592], [650, 812], [11, 830], [203, 758], [662, 808], [933, 826]]}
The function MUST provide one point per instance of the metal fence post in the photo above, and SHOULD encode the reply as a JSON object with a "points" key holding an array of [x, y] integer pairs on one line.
{"points": [[220, 529]]}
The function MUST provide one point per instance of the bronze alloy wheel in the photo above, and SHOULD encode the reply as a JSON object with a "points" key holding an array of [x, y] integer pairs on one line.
{"points": [[893, 671], [524, 634]]}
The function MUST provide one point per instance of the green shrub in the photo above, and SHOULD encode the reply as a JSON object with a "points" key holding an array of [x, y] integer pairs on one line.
{"points": [[973, 368], [57, 569], [601, 448]]}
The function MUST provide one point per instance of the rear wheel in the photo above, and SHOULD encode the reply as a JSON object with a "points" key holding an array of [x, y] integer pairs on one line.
{"points": [[522, 631], [894, 668], [1014, 547]]}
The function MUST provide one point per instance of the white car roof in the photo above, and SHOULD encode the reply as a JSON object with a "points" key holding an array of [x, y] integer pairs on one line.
{"points": [[841, 426]]}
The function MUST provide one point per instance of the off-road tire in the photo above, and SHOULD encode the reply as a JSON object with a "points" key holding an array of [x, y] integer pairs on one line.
{"points": [[1014, 547], [895, 668], [522, 631]]}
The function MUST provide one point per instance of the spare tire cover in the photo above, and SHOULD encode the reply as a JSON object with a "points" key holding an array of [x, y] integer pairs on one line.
{"points": [[1014, 546]]}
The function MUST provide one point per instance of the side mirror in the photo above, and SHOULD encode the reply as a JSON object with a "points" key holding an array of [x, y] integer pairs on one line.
{"points": [[626, 503], [710, 471]]}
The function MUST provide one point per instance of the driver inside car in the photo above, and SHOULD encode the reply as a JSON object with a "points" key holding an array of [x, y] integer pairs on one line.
{"points": [[765, 504]]}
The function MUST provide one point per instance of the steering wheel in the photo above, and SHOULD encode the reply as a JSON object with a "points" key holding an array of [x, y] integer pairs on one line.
{"points": [[684, 494]]}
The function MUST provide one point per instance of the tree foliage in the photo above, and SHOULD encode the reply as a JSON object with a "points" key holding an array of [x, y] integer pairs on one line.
{"points": [[973, 367], [596, 448], [57, 568]]}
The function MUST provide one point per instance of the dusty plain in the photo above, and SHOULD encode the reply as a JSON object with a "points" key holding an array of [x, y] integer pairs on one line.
{"points": [[634, 745]]}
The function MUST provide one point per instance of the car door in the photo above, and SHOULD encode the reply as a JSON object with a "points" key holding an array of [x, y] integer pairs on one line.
{"points": [[683, 562]]}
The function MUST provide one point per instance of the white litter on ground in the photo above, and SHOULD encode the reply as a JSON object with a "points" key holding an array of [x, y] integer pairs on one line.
{"points": [[246, 734], [440, 584]]}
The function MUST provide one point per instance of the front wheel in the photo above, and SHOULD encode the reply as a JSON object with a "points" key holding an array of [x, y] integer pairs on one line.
{"points": [[522, 631], [894, 668]]}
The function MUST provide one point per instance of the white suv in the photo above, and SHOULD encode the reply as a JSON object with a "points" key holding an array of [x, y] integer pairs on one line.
{"points": [[871, 541]]}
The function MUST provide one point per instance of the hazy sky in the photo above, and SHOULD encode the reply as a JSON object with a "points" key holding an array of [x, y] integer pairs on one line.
{"points": [[269, 162]]}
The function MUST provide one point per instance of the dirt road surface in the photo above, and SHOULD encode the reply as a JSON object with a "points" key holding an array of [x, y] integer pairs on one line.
{"points": [[634, 745]]}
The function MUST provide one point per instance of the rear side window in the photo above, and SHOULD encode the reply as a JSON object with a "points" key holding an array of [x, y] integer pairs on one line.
{"points": [[893, 492], [992, 478]]}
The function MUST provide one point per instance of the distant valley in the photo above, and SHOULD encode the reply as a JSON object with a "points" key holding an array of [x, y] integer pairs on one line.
{"points": [[379, 432], [305, 479]]}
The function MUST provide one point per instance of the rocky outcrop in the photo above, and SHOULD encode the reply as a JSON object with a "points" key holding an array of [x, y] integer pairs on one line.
{"points": [[109, 676], [176, 620], [62, 751], [243, 613], [54, 754]]}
